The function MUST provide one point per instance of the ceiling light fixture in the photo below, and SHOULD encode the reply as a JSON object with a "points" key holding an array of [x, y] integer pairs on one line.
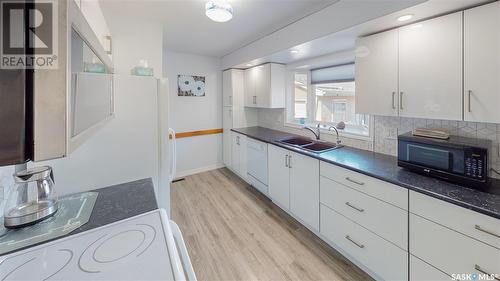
{"points": [[405, 17], [249, 64], [294, 51], [219, 10]]}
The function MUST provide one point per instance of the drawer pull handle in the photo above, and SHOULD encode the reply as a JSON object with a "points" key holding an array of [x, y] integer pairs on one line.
{"points": [[486, 231], [355, 181], [354, 207], [478, 268], [354, 242]]}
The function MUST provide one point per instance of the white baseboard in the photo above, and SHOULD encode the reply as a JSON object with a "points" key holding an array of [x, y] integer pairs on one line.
{"points": [[182, 174]]}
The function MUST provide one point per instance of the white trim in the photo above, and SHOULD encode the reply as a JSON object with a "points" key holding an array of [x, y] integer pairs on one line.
{"points": [[216, 166]]}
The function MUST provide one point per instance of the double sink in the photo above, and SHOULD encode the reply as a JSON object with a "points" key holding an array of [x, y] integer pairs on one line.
{"points": [[310, 145]]}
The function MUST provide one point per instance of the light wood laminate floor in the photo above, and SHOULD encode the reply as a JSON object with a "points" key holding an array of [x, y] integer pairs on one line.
{"points": [[233, 232]]}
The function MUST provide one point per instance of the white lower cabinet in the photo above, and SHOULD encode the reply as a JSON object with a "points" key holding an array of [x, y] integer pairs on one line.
{"points": [[239, 155], [451, 251], [304, 188], [422, 271], [294, 184], [383, 258], [279, 176]]}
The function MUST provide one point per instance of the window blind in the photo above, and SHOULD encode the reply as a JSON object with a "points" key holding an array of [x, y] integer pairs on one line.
{"points": [[332, 74]]}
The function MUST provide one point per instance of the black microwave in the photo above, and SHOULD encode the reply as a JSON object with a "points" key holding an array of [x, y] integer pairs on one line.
{"points": [[458, 159]]}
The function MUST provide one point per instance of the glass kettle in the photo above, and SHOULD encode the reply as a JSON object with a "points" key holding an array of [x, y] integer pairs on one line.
{"points": [[32, 199]]}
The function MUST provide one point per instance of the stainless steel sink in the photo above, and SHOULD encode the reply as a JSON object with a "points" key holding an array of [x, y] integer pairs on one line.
{"points": [[297, 141], [320, 147], [309, 144]]}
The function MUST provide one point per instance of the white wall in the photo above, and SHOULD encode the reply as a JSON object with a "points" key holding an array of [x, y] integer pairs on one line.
{"points": [[188, 114], [125, 149], [134, 41]]}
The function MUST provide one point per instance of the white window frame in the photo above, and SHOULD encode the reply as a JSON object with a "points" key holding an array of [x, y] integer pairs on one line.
{"points": [[342, 101], [291, 121]]}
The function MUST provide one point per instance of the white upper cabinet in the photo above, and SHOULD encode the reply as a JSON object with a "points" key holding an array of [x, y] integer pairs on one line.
{"points": [[265, 86], [94, 16], [227, 89], [482, 63], [413, 71], [227, 125], [430, 68], [377, 74]]}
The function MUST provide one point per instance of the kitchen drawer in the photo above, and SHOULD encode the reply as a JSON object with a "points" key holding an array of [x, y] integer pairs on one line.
{"points": [[383, 258], [450, 251], [384, 219], [470, 223], [422, 271], [382, 190]]}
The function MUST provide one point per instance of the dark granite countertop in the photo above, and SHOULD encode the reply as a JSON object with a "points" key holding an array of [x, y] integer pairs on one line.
{"points": [[384, 167], [121, 201]]}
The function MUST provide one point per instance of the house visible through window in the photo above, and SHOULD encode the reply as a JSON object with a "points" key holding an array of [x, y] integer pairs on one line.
{"points": [[300, 95], [331, 95]]}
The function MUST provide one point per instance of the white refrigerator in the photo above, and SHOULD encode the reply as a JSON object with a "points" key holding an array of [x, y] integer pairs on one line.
{"points": [[133, 145]]}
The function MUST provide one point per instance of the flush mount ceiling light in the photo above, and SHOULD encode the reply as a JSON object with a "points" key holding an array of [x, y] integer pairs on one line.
{"points": [[294, 51], [218, 10], [248, 64], [405, 17]]}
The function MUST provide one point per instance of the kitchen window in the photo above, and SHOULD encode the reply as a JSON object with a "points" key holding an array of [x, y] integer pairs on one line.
{"points": [[327, 96], [300, 95]]}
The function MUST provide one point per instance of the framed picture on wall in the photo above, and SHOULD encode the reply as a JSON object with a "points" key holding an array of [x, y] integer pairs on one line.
{"points": [[190, 86]]}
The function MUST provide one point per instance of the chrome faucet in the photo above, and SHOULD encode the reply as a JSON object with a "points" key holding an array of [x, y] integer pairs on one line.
{"points": [[317, 132], [337, 132]]}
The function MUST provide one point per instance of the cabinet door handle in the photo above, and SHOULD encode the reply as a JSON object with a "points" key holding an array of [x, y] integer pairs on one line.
{"points": [[478, 268], [478, 227], [238, 140], [401, 100], [254, 99], [354, 242], [230, 99], [354, 207], [393, 100], [469, 93], [355, 181], [286, 161], [289, 161]]}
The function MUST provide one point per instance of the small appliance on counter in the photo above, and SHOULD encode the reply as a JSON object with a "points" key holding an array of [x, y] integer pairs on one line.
{"points": [[32, 199], [456, 159]]}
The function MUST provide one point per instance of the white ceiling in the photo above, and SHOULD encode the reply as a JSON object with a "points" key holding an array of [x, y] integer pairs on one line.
{"points": [[187, 29], [314, 53]]}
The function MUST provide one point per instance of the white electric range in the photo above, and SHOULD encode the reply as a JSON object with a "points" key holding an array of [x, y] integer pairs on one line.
{"points": [[144, 247]]}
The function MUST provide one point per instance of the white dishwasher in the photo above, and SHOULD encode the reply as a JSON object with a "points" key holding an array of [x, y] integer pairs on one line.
{"points": [[257, 164]]}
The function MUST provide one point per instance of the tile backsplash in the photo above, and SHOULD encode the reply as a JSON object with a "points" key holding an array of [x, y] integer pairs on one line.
{"points": [[386, 130]]}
